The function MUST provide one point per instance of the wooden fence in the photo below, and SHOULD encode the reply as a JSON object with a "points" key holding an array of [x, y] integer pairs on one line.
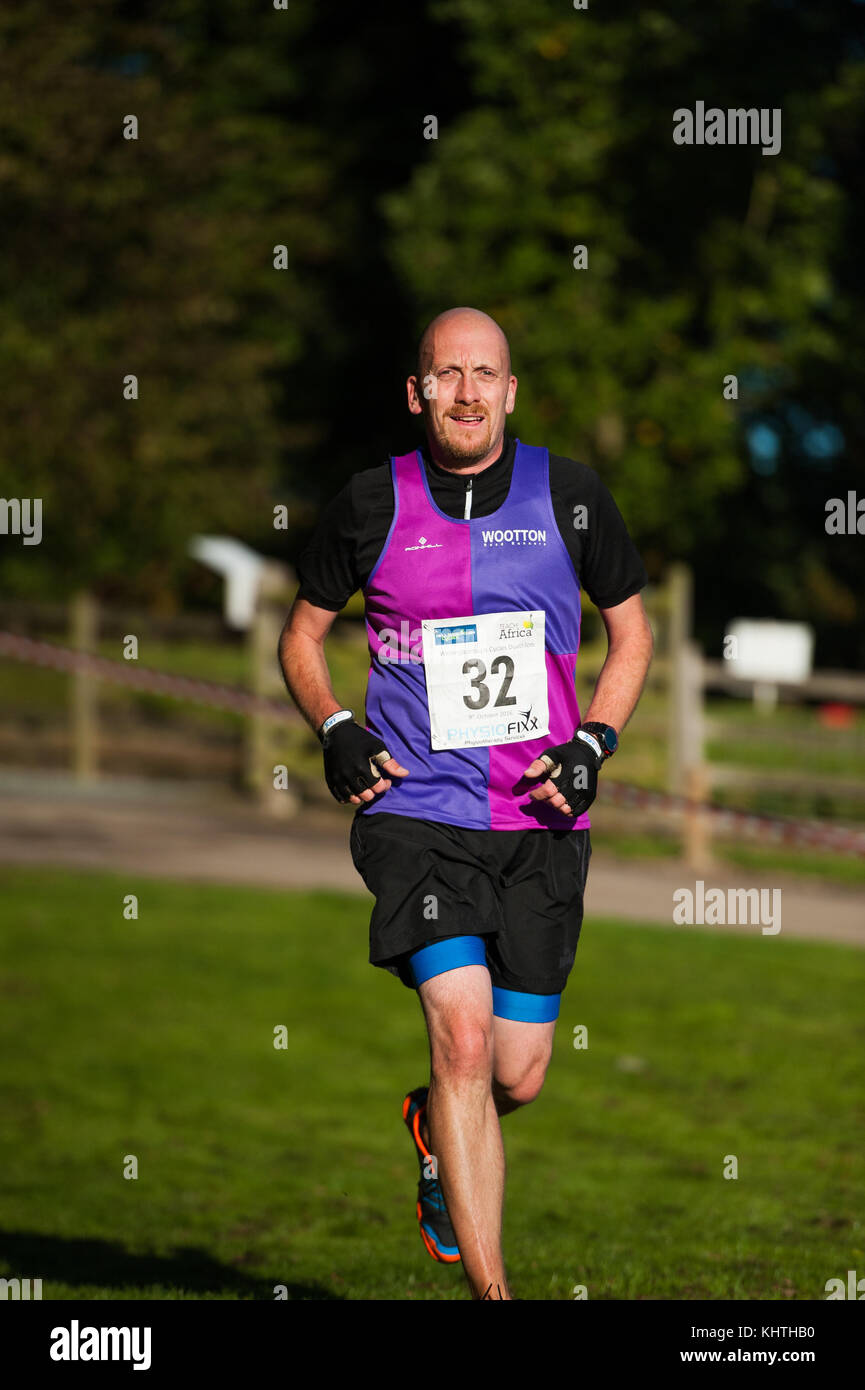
{"points": [[681, 676]]}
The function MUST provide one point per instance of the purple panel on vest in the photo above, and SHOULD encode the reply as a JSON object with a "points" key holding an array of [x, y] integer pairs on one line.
{"points": [[436, 566], [519, 560], [511, 806]]}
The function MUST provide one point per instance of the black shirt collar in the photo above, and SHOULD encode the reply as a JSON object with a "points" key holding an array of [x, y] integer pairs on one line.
{"points": [[494, 469]]}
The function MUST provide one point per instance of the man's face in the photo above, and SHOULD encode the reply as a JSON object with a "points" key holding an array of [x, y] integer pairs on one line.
{"points": [[465, 390]]}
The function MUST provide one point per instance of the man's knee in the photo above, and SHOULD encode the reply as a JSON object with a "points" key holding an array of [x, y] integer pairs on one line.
{"points": [[458, 1009], [461, 1047], [522, 1084]]}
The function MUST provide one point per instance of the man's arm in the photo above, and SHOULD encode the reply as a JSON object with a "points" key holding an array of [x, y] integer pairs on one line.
{"points": [[629, 652], [307, 678], [303, 662], [630, 646]]}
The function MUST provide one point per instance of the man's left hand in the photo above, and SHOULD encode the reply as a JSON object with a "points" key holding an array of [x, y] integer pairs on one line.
{"points": [[572, 776]]}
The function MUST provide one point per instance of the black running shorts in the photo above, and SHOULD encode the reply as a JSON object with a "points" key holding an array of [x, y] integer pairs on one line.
{"points": [[521, 890]]}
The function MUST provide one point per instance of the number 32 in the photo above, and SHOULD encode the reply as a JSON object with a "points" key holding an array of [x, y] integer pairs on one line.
{"points": [[483, 691]]}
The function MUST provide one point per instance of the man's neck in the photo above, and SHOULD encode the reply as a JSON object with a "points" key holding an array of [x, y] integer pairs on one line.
{"points": [[463, 468]]}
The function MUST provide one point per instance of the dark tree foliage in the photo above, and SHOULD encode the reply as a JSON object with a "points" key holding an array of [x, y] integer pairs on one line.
{"points": [[304, 127], [702, 262]]}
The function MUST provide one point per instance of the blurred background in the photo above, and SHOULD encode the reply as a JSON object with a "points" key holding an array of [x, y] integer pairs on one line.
{"points": [[225, 225]]}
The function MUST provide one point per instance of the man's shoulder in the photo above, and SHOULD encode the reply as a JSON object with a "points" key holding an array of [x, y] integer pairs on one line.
{"points": [[376, 475], [567, 474], [373, 473], [368, 486]]}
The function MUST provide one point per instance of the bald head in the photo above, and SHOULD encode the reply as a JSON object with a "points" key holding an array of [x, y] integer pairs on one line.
{"points": [[463, 388], [466, 323]]}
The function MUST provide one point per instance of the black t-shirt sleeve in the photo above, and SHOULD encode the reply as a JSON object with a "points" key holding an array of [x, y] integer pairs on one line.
{"points": [[327, 568], [604, 557], [348, 540]]}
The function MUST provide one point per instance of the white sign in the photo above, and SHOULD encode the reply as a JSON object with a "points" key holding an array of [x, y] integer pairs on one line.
{"points": [[241, 566], [769, 651]]}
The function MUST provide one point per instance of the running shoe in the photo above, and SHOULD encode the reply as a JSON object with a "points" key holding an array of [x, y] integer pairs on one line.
{"points": [[436, 1230]]}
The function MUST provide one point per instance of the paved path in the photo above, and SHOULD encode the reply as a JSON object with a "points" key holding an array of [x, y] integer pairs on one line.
{"points": [[201, 834]]}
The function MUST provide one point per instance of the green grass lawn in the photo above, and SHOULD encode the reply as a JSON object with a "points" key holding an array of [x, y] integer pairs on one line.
{"points": [[808, 861], [260, 1167]]}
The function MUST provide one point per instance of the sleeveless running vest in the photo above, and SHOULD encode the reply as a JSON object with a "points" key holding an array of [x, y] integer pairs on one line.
{"points": [[436, 566]]}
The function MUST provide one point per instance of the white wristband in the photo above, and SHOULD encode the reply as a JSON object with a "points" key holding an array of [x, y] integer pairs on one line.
{"points": [[590, 738], [336, 718]]}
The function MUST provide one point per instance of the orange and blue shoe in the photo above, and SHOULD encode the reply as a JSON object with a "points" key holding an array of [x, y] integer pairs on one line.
{"points": [[436, 1230]]}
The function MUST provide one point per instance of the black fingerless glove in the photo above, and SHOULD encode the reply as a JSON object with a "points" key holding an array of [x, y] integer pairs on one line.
{"points": [[348, 754], [574, 768]]}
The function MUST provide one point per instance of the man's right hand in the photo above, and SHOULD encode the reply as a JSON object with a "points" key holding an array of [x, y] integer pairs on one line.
{"points": [[354, 760]]}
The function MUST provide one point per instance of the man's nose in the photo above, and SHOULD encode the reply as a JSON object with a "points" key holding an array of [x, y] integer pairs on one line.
{"points": [[467, 389]]}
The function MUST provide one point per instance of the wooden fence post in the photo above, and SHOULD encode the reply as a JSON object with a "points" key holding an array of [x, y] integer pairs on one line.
{"points": [[84, 695], [696, 829], [687, 770], [679, 619], [265, 679]]}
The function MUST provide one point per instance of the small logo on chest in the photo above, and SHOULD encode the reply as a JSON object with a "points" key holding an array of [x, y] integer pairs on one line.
{"points": [[424, 544]]}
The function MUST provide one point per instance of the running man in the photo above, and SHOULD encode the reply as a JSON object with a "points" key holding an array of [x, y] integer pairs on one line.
{"points": [[471, 770]]}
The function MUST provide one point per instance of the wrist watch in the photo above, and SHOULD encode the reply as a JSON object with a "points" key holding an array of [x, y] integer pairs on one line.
{"points": [[336, 718], [602, 737]]}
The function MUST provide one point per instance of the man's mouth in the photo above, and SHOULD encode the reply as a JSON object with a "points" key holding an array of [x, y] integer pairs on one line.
{"points": [[468, 420]]}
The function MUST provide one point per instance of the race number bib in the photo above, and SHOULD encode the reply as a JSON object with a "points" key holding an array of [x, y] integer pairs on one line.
{"points": [[486, 679]]}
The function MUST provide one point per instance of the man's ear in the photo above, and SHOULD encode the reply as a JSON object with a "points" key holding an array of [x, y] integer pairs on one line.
{"points": [[414, 396]]}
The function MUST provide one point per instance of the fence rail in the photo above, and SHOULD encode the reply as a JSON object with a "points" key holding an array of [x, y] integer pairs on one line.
{"points": [[698, 817]]}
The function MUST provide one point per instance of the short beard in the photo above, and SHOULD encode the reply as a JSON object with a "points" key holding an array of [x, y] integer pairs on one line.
{"points": [[470, 451]]}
